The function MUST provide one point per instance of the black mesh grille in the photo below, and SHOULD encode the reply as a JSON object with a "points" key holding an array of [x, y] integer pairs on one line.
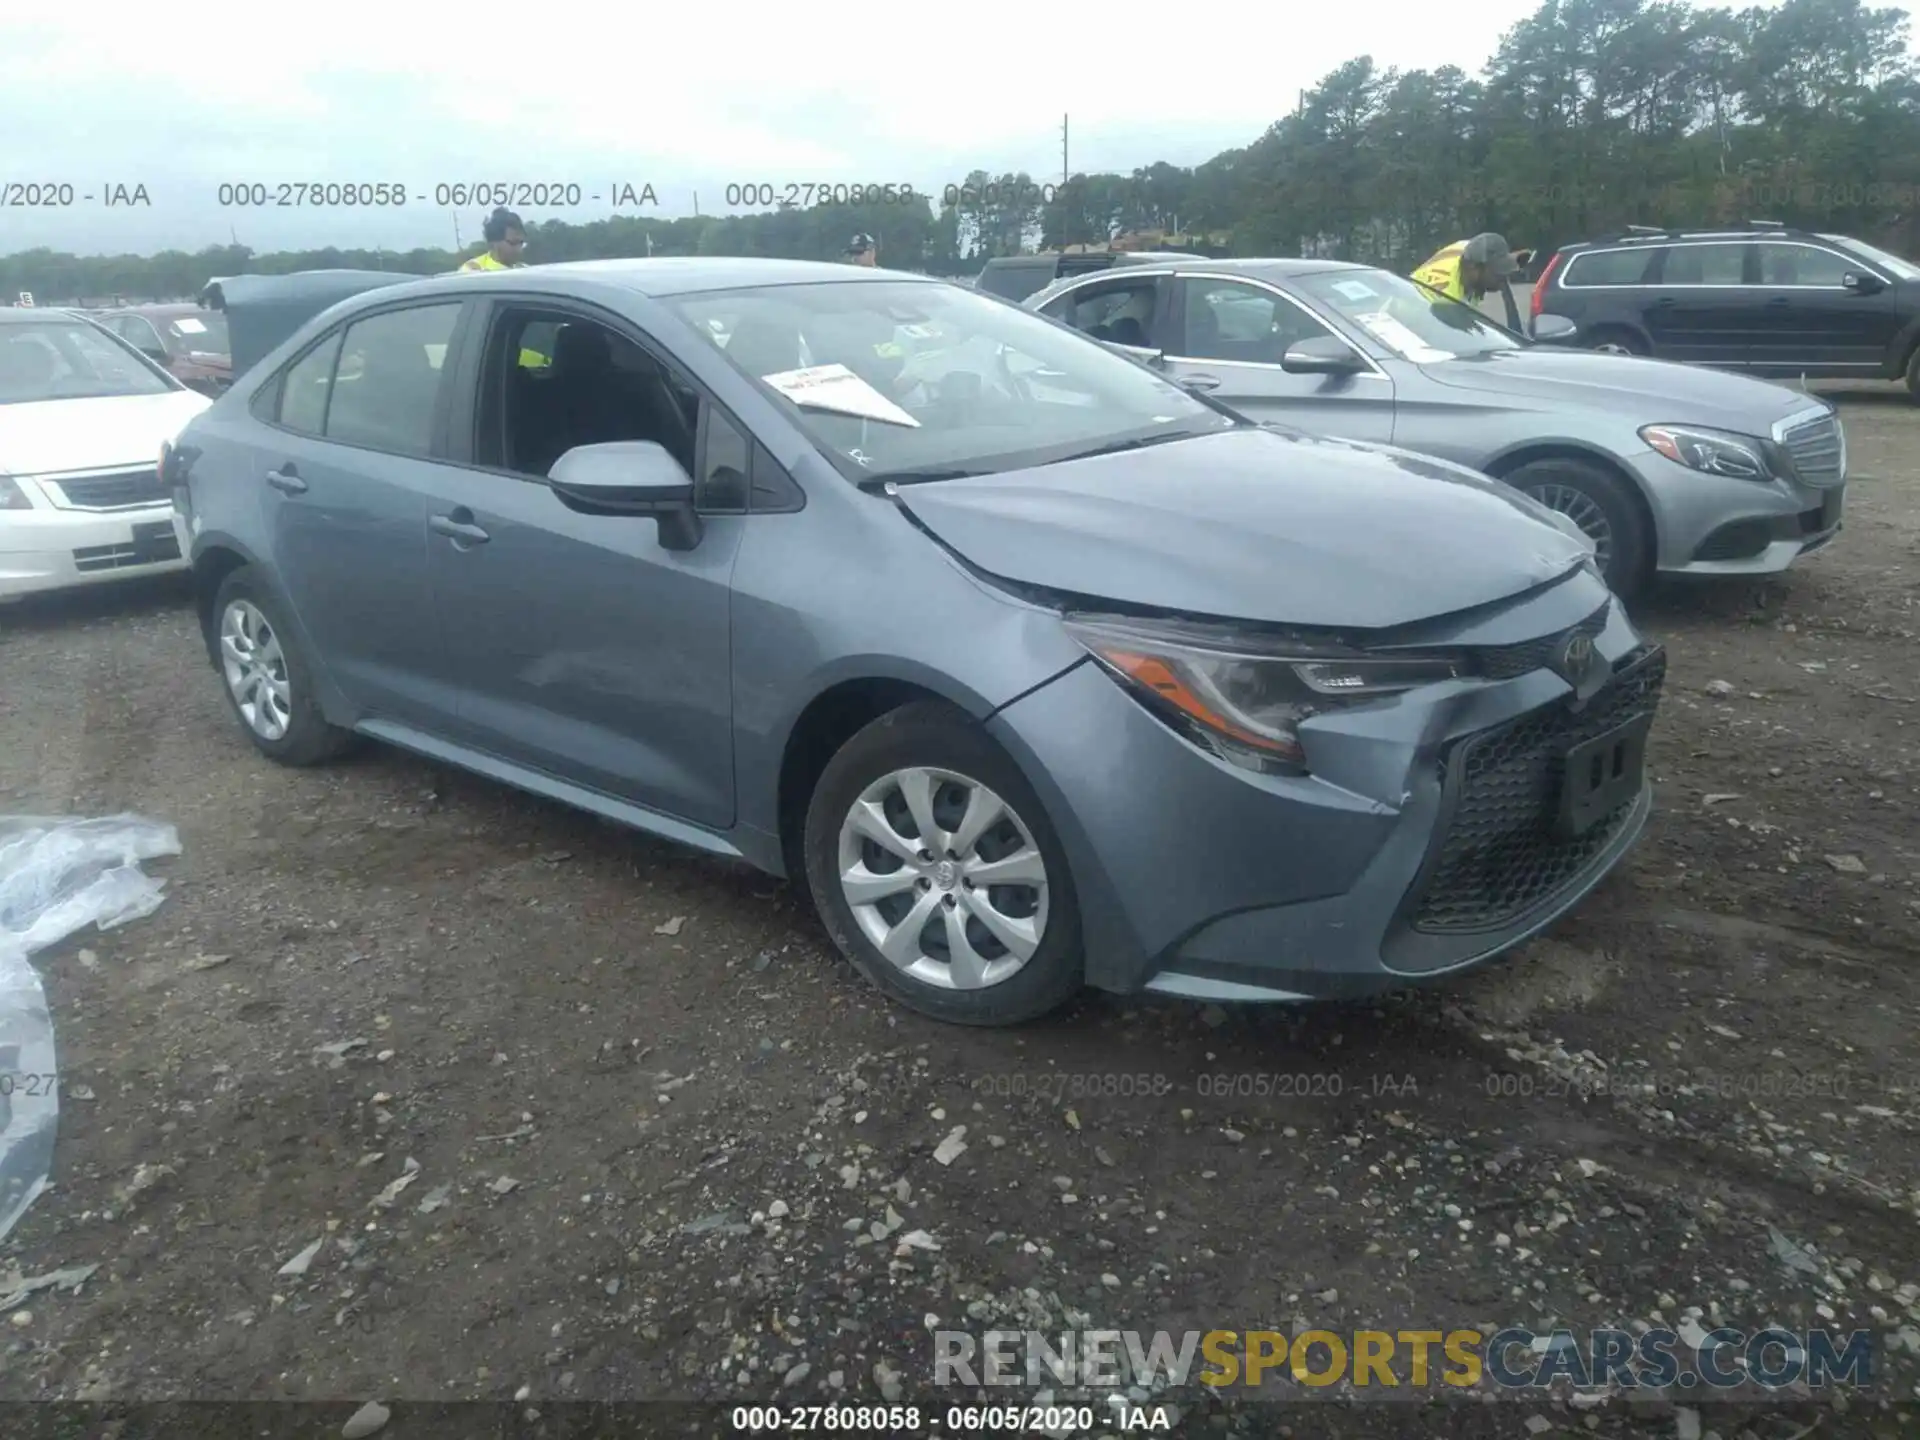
{"points": [[1502, 853], [1503, 662], [115, 492]]}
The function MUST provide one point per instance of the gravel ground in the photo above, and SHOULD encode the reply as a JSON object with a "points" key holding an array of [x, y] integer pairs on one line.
{"points": [[577, 1116]]}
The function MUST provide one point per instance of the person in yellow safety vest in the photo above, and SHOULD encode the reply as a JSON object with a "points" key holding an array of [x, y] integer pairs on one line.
{"points": [[506, 241], [1468, 270]]}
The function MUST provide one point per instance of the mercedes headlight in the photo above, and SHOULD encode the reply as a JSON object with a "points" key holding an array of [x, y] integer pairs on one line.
{"points": [[1239, 699], [1717, 452]]}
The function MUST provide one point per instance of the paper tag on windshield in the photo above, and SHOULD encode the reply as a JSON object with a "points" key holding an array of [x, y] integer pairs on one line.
{"points": [[836, 388], [1354, 290], [187, 325], [1389, 331]]}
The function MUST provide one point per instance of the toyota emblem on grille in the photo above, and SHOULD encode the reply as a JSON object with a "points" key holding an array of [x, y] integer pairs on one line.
{"points": [[1576, 658]]}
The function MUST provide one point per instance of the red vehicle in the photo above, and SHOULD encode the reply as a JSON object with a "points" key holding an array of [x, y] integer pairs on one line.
{"points": [[188, 341]]}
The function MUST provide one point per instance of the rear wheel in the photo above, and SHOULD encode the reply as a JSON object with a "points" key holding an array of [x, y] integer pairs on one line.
{"points": [[1606, 511], [938, 874], [1612, 340], [268, 681]]}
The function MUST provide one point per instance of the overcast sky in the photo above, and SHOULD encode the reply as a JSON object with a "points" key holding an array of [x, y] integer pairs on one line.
{"points": [[685, 98]]}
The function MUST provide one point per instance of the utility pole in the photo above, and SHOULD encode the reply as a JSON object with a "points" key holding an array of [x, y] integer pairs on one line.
{"points": [[1065, 172]]}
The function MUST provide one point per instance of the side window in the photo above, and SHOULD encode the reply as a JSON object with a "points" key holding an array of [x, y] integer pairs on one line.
{"points": [[1120, 313], [388, 379], [1226, 320], [724, 467], [305, 386], [555, 381], [1607, 267], [1705, 265], [1800, 265]]}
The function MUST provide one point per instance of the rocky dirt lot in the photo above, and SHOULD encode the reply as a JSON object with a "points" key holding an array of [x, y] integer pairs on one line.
{"points": [[577, 1116]]}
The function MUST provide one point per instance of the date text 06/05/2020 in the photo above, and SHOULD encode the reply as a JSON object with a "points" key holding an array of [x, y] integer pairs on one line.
{"points": [[455, 195], [65, 194], [1209, 1085]]}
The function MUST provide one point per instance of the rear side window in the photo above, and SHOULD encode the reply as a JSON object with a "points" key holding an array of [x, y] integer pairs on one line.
{"points": [[1607, 267], [1711, 264], [387, 384], [305, 386]]}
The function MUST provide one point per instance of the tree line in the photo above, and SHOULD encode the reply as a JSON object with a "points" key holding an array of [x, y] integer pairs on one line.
{"points": [[1592, 115]]}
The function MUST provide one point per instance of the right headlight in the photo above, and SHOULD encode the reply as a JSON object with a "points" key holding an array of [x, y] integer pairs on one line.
{"points": [[1242, 702], [1717, 452]]}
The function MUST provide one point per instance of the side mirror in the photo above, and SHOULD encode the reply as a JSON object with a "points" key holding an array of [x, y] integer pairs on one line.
{"points": [[1322, 355], [630, 477], [1862, 282], [1554, 329]]}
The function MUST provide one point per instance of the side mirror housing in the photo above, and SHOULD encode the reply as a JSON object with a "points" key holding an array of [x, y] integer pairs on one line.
{"points": [[1554, 329], [630, 477], [1322, 355], [1862, 282]]}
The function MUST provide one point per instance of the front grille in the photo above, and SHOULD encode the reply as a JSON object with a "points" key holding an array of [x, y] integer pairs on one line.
{"points": [[118, 557], [1818, 450], [1501, 854], [1503, 662], [125, 490]]}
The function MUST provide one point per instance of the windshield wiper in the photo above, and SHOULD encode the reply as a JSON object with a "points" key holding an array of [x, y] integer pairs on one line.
{"points": [[916, 477], [1138, 443]]}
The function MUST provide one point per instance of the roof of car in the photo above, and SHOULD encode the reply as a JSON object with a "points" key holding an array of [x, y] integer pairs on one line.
{"points": [[176, 307], [27, 313], [1254, 268], [687, 274]]}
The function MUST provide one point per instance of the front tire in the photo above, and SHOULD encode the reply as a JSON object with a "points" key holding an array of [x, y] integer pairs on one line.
{"points": [[267, 679], [1603, 506], [938, 874]]}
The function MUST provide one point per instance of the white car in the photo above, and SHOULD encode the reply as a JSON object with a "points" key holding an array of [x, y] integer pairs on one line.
{"points": [[82, 418]]}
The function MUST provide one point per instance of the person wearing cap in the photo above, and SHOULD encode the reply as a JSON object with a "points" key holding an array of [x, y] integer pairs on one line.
{"points": [[862, 250], [1468, 270]]}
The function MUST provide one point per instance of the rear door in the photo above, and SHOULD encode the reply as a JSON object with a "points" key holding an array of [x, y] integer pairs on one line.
{"points": [[1229, 335], [345, 468], [1822, 325], [1701, 309]]}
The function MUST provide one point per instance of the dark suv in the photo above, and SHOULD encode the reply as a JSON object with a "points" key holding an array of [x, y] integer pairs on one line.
{"points": [[1759, 297]]}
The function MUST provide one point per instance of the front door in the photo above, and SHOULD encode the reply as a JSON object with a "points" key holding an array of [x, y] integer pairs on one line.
{"points": [[1231, 335], [585, 648], [344, 471], [1819, 324]]}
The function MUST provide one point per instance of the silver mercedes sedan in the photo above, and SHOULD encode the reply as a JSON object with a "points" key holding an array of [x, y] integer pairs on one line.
{"points": [[1668, 469]]}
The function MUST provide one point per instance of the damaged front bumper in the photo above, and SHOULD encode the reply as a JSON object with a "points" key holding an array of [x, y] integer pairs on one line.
{"points": [[1434, 831]]}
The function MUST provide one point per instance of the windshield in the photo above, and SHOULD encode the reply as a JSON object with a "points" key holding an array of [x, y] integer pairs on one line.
{"points": [[1901, 269], [926, 381], [202, 334], [1415, 323], [69, 360]]}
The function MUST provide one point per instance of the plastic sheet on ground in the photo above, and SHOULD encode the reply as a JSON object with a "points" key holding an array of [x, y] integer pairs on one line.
{"points": [[57, 875]]}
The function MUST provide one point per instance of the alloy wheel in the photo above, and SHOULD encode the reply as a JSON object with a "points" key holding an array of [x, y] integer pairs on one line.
{"points": [[944, 878], [256, 670], [1584, 511]]}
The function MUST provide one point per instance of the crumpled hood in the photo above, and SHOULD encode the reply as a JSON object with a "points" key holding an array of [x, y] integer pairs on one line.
{"points": [[42, 437], [1256, 524], [1645, 392]]}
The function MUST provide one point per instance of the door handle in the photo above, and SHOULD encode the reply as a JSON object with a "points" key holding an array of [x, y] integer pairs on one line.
{"points": [[1666, 302], [1777, 302], [287, 480], [458, 530], [1200, 382]]}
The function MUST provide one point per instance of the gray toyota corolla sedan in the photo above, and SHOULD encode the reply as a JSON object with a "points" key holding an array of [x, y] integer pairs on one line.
{"points": [[1039, 670], [1669, 469]]}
